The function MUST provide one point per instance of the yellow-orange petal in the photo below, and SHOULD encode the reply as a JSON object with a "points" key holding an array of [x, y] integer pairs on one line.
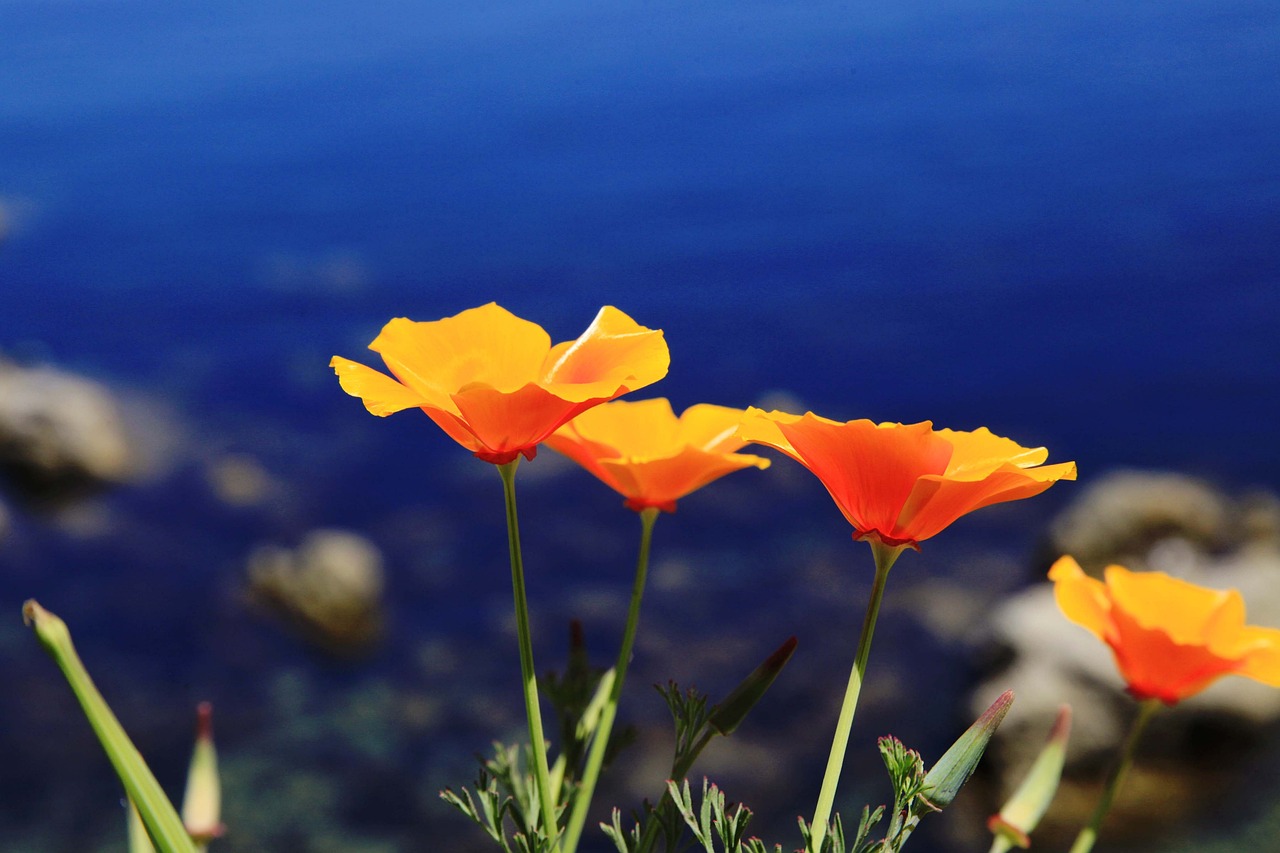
{"points": [[1184, 611], [1262, 660], [381, 394], [644, 452], [631, 428], [981, 451], [488, 345], [712, 428], [761, 427], [1082, 599], [663, 481], [510, 423], [614, 355], [938, 500]]}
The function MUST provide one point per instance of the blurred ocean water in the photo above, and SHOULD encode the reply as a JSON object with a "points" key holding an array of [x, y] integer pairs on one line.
{"points": [[1059, 222]]}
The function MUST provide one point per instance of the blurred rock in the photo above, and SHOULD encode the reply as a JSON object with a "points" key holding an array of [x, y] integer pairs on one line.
{"points": [[60, 434], [239, 480], [1119, 517], [1153, 521], [330, 588]]}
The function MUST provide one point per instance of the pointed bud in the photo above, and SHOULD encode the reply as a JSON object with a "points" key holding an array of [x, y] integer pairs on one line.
{"points": [[202, 804], [1023, 811], [943, 782], [139, 841], [729, 714]]}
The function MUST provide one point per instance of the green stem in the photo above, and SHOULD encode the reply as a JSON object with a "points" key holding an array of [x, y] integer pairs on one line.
{"points": [[533, 713], [144, 791], [600, 741], [885, 556], [1084, 841]]}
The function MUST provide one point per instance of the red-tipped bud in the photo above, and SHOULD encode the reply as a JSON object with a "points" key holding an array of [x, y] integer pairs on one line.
{"points": [[202, 804]]}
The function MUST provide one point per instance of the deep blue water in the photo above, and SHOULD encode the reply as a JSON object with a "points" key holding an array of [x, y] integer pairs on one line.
{"points": [[1059, 222]]}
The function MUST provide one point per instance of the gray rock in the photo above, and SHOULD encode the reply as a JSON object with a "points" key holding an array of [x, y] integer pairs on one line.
{"points": [[330, 588], [60, 433], [1121, 515]]}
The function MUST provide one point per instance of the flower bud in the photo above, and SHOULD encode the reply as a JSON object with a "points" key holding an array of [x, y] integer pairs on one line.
{"points": [[202, 803], [1023, 811], [944, 780], [729, 714]]}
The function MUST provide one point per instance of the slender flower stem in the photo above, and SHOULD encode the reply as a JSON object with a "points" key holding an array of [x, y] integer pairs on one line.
{"points": [[1084, 841], [600, 740], [153, 807], [885, 556], [533, 713]]}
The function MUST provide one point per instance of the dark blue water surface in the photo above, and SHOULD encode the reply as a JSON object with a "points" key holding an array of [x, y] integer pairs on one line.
{"points": [[1058, 221]]}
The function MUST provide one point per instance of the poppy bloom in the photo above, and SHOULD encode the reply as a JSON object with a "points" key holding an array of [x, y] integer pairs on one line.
{"points": [[1170, 638], [649, 456], [494, 382], [899, 484]]}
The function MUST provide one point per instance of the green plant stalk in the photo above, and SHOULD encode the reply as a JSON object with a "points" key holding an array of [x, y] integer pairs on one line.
{"points": [[885, 556], [533, 712], [157, 812], [1084, 841], [600, 741], [139, 841], [679, 770]]}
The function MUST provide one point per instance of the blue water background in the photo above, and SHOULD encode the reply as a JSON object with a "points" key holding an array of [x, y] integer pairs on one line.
{"points": [[1055, 220]]}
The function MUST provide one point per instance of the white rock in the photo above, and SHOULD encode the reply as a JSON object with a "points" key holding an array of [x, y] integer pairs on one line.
{"points": [[57, 429]]}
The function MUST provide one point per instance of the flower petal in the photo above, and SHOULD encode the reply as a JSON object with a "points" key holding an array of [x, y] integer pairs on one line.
{"points": [[869, 469], [636, 429], [1082, 599], [981, 452], [668, 479], [489, 345], [712, 428], [1155, 666], [1182, 610], [651, 457], [508, 423], [937, 501], [1262, 661], [614, 355], [381, 394]]}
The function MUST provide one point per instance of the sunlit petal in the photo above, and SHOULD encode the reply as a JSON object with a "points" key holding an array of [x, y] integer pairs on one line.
{"points": [[1171, 639], [614, 355], [652, 458], [493, 382], [381, 394]]}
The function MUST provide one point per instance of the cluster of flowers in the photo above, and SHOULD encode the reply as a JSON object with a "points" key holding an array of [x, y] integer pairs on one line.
{"points": [[496, 385]]}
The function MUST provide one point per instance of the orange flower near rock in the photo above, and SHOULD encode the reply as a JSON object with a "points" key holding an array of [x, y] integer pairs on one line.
{"points": [[649, 456], [1170, 638], [899, 484], [494, 382]]}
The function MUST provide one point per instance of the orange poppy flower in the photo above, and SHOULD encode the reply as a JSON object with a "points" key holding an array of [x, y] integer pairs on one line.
{"points": [[494, 382], [902, 483], [1170, 638], [649, 456]]}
